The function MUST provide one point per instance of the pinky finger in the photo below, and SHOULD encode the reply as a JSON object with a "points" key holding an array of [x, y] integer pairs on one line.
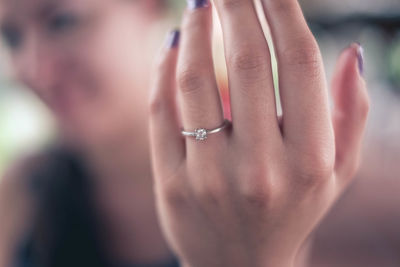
{"points": [[350, 111], [167, 155]]}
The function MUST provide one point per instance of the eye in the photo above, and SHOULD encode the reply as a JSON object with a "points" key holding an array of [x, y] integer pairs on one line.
{"points": [[12, 36], [62, 22]]}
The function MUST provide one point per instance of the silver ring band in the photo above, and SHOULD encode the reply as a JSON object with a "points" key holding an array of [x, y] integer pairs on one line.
{"points": [[201, 134]]}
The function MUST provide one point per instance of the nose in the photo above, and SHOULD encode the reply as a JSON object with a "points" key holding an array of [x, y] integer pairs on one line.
{"points": [[35, 65]]}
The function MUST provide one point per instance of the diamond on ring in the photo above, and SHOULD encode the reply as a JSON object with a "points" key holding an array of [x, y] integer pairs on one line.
{"points": [[201, 134]]}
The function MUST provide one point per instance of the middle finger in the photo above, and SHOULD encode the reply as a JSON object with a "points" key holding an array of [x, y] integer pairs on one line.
{"points": [[249, 71]]}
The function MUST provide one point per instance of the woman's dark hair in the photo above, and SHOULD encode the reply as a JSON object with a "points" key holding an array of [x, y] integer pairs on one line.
{"points": [[66, 229], [64, 232]]}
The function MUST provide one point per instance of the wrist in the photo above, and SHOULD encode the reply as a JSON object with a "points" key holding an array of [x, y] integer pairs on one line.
{"points": [[276, 262], [234, 261]]}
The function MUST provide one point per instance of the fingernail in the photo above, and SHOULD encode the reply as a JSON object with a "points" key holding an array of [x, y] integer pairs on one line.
{"points": [[173, 38], [360, 57], [193, 4]]}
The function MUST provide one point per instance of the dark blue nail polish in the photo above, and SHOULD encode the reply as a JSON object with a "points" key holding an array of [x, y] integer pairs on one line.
{"points": [[193, 4], [173, 38], [360, 57]]}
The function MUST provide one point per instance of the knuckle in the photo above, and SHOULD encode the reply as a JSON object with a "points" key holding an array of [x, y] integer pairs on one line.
{"points": [[353, 169], [256, 197], [250, 66], [189, 80], [348, 165], [316, 167], [365, 105], [255, 189], [210, 193], [249, 60], [157, 100], [156, 105], [174, 195], [161, 64], [304, 54]]}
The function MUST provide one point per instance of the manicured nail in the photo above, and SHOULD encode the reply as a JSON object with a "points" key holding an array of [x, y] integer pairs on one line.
{"points": [[173, 38], [360, 57], [193, 4]]}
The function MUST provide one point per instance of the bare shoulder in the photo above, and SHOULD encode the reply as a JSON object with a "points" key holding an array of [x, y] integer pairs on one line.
{"points": [[16, 206]]}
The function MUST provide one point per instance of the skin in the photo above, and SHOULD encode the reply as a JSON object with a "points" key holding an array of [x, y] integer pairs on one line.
{"points": [[93, 77], [281, 177], [251, 195]]}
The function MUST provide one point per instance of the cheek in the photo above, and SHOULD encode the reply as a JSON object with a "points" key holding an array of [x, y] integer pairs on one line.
{"points": [[115, 96], [120, 49], [112, 63], [122, 67]]}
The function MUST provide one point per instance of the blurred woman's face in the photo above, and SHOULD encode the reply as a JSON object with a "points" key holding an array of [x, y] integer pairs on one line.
{"points": [[88, 60]]}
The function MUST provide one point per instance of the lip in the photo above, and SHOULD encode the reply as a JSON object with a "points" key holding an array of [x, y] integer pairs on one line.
{"points": [[63, 100]]}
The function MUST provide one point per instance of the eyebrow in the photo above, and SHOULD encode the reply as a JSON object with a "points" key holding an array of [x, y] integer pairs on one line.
{"points": [[39, 12], [47, 8]]}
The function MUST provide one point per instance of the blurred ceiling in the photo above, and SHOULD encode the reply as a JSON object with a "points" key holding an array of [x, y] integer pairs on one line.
{"points": [[334, 8]]}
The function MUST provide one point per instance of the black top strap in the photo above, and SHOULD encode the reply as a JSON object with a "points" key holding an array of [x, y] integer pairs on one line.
{"points": [[64, 232]]}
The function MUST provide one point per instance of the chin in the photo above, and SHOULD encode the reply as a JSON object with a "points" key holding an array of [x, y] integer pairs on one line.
{"points": [[96, 130]]}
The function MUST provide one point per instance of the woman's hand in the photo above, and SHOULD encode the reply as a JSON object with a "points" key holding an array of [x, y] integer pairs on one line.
{"points": [[251, 194]]}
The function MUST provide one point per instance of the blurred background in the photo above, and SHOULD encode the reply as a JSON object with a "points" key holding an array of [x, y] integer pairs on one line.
{"points": [[363, 229]]}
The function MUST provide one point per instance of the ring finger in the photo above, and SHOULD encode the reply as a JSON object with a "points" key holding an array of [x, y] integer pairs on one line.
{"points": [[201, 105]]}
